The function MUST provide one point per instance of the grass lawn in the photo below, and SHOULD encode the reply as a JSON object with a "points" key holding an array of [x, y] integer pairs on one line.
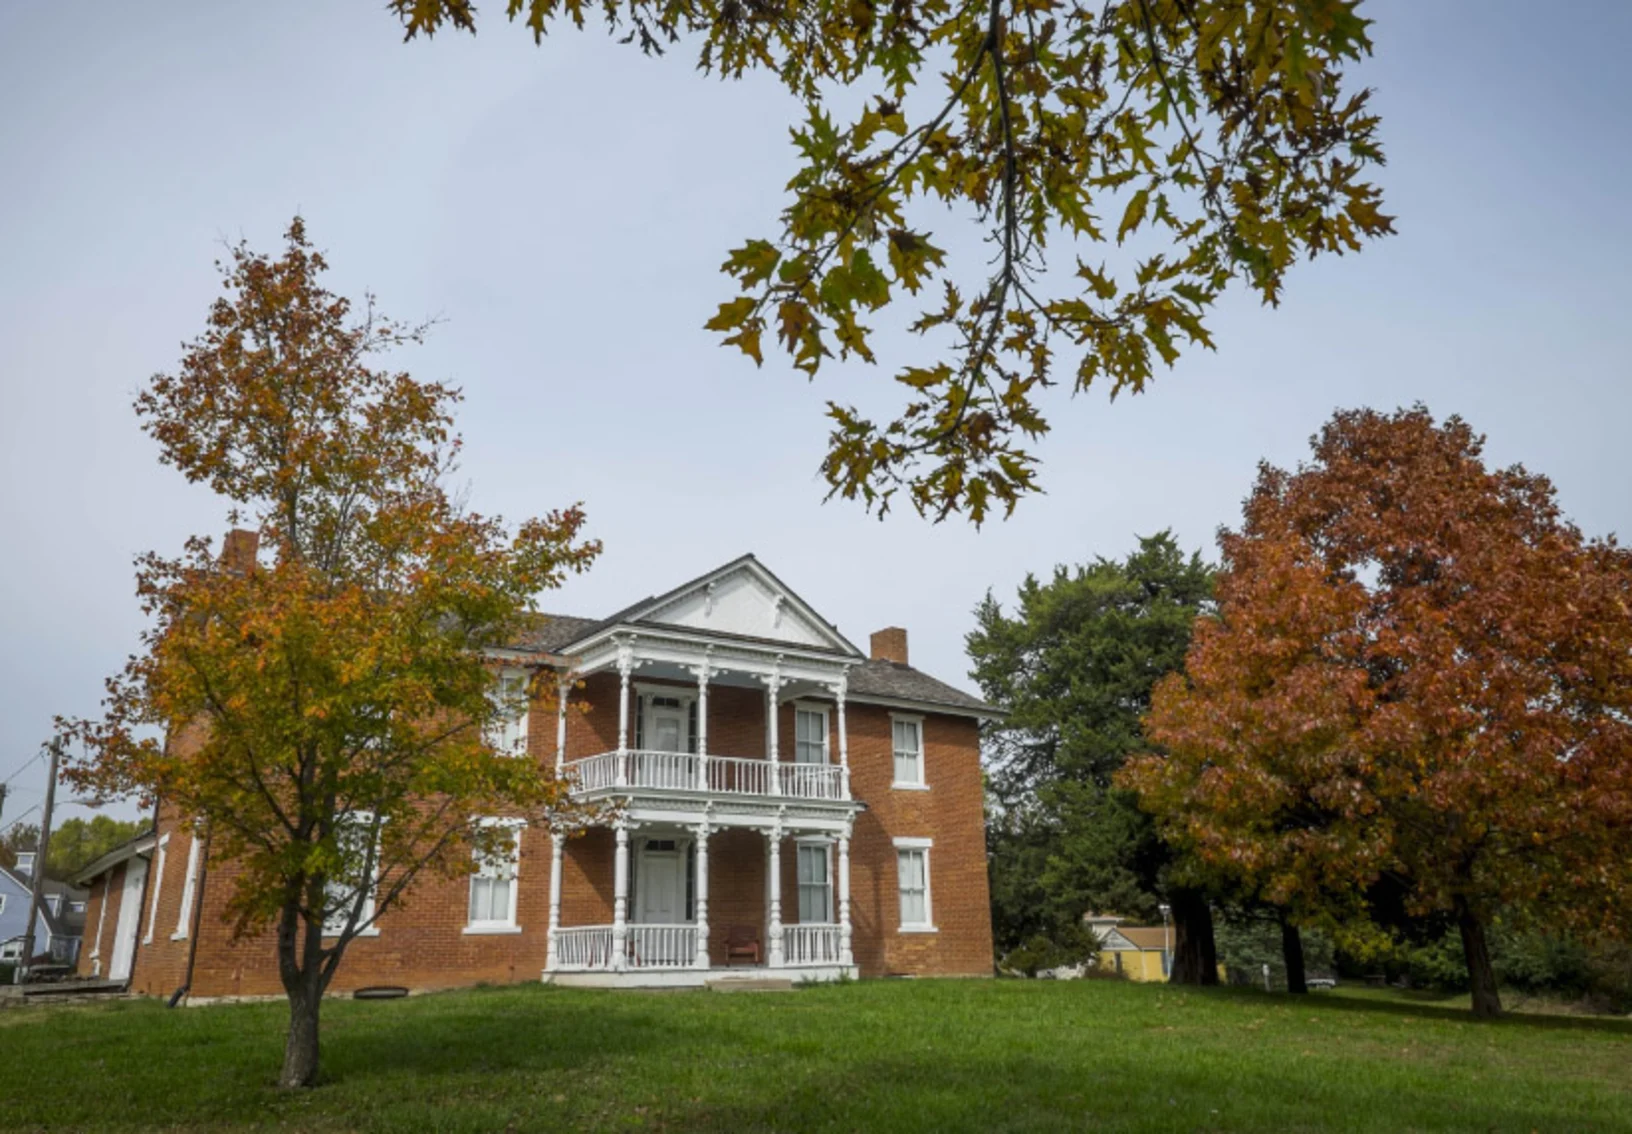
{"points": [[890, 1056]]}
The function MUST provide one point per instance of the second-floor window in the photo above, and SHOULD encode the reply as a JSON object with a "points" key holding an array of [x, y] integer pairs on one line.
{"points": [[508, 731], [810, 736], [908, 736]]}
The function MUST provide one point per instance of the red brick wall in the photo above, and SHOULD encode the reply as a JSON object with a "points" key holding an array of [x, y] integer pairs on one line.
{"points": [[951, 813], [422, 945]]}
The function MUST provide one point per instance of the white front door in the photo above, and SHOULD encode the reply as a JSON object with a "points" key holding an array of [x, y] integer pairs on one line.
{"points": [[662, 881], [130, 919]]}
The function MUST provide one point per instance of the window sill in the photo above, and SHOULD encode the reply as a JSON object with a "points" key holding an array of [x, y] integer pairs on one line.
{"points": [[371, 931], [909, 787], [920, 929], [178, 937], [489, 930]]}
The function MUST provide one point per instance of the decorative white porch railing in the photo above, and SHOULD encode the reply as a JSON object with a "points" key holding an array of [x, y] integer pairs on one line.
{"points": [[735, 775], [584, 947], [684, 771], [811, 944], [811, 781], [662, 946]]}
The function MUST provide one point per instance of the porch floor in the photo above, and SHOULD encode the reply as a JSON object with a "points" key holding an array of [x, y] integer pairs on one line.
{"points": [[743, 977]]}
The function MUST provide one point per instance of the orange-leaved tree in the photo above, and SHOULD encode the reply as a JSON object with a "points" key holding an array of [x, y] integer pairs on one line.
{"points": [[1161, 150], [324, 692], [1419, 675]]}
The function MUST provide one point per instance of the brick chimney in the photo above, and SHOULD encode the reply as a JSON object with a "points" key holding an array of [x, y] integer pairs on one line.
{"points": [[890, 644], [238, 550]]}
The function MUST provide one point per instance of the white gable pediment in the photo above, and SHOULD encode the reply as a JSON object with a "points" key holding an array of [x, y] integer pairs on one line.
{"points": [[745, 600]]}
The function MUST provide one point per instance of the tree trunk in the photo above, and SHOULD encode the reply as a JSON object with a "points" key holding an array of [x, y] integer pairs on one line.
{"points": [[300, 1047], [1195, 956], [1487, 1002], [300, 966], [1297, 980]]}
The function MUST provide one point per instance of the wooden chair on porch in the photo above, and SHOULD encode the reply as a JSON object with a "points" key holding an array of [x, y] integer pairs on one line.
{"points": [[742, 941]]}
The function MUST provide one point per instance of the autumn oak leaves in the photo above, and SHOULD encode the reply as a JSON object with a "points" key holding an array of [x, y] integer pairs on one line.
{"points": [[1213, 137], [1419, 676]]}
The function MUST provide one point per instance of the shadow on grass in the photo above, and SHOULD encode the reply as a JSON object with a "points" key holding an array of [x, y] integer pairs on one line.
{"points": [[1018, 1095], [1421, 1008], [453, 1034]]}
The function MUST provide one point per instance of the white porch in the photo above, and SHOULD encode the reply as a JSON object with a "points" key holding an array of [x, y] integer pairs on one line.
{"points": [[660, 935]]}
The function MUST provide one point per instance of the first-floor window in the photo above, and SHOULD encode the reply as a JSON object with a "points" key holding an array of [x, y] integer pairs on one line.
{"points": [[359, 876], [493, 888], [815, 886], [912, 877]]}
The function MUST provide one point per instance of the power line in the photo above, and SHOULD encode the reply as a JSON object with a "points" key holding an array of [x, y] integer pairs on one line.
{"points": [[23, 767], [18, 821]]}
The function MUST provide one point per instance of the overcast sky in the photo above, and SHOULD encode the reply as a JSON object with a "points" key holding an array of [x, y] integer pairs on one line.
{"points": [[565, 209]]}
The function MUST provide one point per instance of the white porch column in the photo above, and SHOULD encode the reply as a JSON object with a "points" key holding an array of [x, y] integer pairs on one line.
{"points": [[563, 689], [844, 742], [620, 897], [773, 870], [845, 956], [626, 665], [551, 956], [773, 711], [703, 672], [702, 831]]}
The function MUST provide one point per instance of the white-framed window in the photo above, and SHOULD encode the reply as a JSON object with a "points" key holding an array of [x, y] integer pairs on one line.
{"points": [[158, 884], [76, 907], [508, 731], [912, 881], [340, 893], [907, 738], [493, 885], [189, 883], [809, 735], [815, 883]]}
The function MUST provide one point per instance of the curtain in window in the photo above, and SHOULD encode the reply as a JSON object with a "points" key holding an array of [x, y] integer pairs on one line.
{"points": [[815, 888], [490, 890], [912, 874], [810, 737], [907, 753]]}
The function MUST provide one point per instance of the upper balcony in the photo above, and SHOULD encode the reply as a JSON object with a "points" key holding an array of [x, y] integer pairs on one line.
{"points": [[614, 773]]}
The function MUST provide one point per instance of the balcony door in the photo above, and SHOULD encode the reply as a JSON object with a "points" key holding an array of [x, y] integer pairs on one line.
{"points": [[666, 725]]}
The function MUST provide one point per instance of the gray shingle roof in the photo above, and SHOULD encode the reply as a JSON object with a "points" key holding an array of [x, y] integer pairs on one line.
{"points": [[897, 682], [551, 632]]}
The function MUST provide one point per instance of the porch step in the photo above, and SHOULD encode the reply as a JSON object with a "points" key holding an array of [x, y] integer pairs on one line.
{"points": [[749, 984]]}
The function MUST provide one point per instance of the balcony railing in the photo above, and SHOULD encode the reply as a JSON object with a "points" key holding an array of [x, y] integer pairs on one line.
{"points": [[686, 771], [811, 944]]}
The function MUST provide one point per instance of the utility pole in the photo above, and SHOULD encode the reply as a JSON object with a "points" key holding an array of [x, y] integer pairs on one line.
{"points": [[38, 880]]}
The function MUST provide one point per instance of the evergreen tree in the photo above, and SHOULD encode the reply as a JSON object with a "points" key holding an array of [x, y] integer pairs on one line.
{"points": [[1074, 667]]}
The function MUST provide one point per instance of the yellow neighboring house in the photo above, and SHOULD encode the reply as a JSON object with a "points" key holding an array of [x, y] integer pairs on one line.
{"points": [[1138, 952]]}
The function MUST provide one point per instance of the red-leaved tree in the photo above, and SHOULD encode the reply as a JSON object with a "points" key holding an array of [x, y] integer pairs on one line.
{"points": [[1420, 674]]}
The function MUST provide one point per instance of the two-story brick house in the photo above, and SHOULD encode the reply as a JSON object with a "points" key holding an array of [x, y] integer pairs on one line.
{"points": [[776, 800]]}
